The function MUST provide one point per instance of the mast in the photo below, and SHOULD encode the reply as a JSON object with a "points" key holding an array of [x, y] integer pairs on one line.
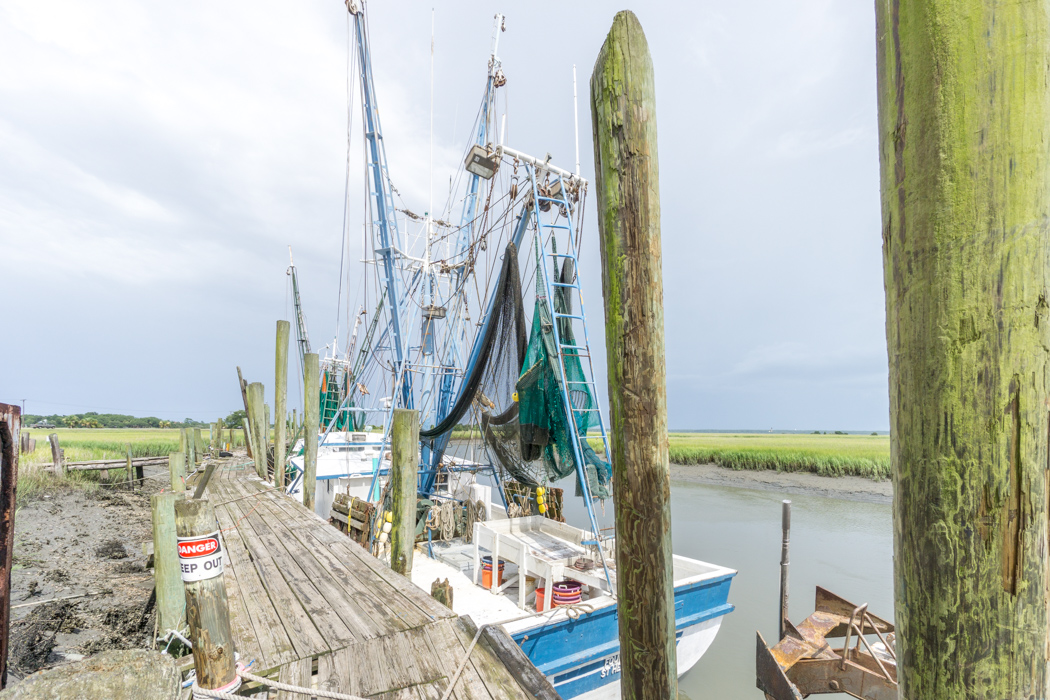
{"points": [[381, 203], [302, 338]]}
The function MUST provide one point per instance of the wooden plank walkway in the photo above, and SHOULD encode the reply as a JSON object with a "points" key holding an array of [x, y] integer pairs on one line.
{"points": [[313, 608]]}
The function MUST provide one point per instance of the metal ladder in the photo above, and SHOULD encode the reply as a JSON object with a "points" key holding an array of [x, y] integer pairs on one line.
{"points": [[549, 228]]}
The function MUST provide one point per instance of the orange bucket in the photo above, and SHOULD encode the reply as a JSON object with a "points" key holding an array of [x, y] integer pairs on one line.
{"points": [[486, 573]]}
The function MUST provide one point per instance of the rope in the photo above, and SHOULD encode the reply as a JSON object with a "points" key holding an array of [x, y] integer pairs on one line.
{"points": [[199, 692], [452, 683], [448, 521]]}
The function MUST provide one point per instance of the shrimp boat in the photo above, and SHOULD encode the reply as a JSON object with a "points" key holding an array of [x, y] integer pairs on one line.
{"points": [[506, 398]]}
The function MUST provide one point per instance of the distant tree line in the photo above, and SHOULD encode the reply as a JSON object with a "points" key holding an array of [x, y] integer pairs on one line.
{"points": [[92, 419]]}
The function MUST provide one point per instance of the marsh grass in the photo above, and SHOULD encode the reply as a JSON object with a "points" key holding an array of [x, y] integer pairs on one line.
{"points": [[86, 444], [827, 455]]}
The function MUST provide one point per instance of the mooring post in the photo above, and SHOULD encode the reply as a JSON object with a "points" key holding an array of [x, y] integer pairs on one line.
{"points": [[255, 423], [58, 464], [198, 445], [10, 437], [623, 109], [243, 385], [964, 123], [207, 611], [171, 598], [247, 437], [191, 449], [785, 528], [280, 403], [183, 447], [131, 468], [404, 477], [311, 410], [177, 471]]}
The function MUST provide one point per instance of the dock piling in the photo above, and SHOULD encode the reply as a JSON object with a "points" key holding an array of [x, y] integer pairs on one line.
{"points": [[177, 471], [311, 409], [280, 403], [785, 528], [623, 108], [207, 610], [171, 598], [404, 476], [255, 423], [56, 454], [10, 431], [243, 385]]}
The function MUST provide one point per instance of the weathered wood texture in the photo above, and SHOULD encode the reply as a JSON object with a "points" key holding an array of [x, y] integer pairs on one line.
{"points": [[280, 402], [207, 608], [167, 577], [56, 453], [302, 594], [177, 471], [311, 416], [10, 436], [191, 449], [131, 674], [243, 385], [623, 109], [257, 422], [404, 475], [198, 446], [964, 133]]}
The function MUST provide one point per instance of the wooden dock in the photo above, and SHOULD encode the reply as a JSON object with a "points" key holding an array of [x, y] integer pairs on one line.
{"points": [[313, 608]]}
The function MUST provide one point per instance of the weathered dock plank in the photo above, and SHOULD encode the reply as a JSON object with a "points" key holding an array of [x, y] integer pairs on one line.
{"points": [[303, 596]]}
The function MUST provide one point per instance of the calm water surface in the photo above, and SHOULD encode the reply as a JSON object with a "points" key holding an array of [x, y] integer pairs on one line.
{"points": [[844, 546]]}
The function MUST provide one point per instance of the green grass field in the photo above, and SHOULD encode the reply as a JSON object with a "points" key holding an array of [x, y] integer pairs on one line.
{"points": [[86, 444], [827, 455]]}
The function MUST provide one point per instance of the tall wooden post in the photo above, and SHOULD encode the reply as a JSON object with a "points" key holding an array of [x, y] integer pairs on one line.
{"points": [[10, 435], [177, 471], [404, 476], [207, 611], [243, 385], [311, 410], [255, 402], [198, 446], [964, 128], [58, 464], [280, 403], [191, 449], [623, 109], [171, 598], [131, 467]]}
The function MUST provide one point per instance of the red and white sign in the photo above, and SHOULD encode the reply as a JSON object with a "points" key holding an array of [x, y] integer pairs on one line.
{"points": [[188, 549], [200, 557]]}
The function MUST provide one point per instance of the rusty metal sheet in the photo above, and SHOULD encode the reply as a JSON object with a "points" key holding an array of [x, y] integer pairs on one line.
{"points": [[10, 440], [769, 676], [828, 602], [828, 676]]}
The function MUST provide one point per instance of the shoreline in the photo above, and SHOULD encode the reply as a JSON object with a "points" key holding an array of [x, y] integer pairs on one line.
{"points": [[850, 488]]}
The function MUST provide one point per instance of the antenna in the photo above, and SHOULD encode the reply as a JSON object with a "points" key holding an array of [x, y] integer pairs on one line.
{"points": [[576, 119]]}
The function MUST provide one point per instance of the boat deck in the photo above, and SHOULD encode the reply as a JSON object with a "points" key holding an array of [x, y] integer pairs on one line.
{"points": [[312, 608]]}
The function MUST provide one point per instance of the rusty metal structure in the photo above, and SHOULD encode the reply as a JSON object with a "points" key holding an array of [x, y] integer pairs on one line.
{"points": [[10, 431], [803, 663]]}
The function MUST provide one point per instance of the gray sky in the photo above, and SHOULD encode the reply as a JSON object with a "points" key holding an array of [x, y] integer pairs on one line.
{"points": [[156, 159]]}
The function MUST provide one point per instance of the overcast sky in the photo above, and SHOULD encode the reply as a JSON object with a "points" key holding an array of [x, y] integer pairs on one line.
{"points": [[156, 160]]}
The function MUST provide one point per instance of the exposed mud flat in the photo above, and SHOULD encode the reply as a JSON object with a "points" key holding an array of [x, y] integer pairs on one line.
{"points": [[68, 543], [853, 488]]}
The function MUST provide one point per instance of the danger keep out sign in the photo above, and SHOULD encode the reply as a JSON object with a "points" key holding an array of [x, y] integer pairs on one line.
{"points": [[200, 557]]}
